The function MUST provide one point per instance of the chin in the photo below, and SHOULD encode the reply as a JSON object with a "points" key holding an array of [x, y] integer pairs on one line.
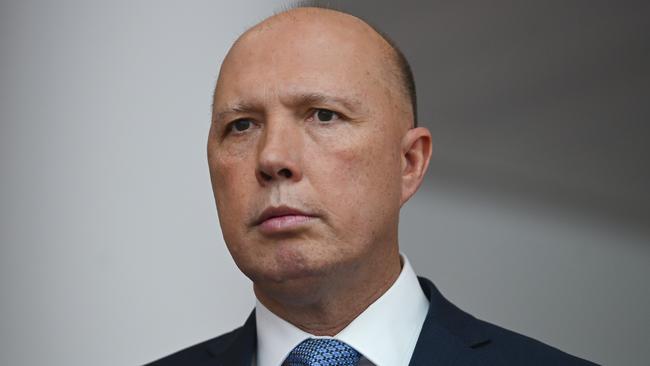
{"points": [[289, 265], [294, 265], [298, 287]]}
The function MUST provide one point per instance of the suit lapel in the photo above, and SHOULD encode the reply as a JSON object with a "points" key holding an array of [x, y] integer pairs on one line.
{"points": [[240, 350], [448, 334]]}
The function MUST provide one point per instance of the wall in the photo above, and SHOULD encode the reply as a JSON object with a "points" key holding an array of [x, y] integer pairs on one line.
{"points": [[535, 208]]}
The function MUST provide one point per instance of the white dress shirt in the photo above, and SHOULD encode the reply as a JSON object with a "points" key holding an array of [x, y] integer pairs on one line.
{"points": [[385, 333]]}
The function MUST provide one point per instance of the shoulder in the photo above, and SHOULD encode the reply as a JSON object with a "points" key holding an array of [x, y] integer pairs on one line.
{"points": [[232, 348], [200, 353], [471, 341], [506, 347]]}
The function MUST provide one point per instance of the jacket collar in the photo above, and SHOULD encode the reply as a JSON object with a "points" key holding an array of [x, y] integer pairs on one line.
{"points": [[446, 337], [240, 349], [448, 333]]}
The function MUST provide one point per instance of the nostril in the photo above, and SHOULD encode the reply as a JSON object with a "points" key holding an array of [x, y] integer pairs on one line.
{"points": [[265, 176], [285, 173]]}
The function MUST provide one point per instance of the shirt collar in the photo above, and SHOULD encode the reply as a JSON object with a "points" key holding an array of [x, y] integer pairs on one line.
{"points": [[385, 333]]}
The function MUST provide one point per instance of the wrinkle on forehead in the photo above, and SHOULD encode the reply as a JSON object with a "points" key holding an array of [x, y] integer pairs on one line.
{"points": [[331, 29]]}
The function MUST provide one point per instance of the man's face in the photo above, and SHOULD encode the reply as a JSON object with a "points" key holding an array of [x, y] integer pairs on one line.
{"points": [[305, 150]]}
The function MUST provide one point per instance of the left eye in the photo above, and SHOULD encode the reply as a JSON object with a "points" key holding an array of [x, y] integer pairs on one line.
{"points": [[325, 115], [239, 126]]}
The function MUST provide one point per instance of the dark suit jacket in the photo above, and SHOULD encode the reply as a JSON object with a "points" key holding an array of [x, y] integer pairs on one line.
{"points": [[449, 336]]}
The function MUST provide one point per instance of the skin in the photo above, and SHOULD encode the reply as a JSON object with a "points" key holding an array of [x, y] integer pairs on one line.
{"points": [[352, 172]]}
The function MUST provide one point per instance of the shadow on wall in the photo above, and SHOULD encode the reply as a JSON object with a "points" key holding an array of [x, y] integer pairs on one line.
{"points": [[535, 211], [535, 100]]}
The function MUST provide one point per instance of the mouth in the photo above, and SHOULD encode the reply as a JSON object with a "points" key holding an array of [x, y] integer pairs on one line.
{"points": [[282, 219]]}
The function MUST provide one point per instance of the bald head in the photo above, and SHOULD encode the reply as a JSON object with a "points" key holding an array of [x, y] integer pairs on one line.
{"points": [[335, 30]]}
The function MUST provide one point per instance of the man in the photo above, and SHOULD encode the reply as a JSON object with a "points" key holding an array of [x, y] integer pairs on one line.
{"points": [[313, 149]]}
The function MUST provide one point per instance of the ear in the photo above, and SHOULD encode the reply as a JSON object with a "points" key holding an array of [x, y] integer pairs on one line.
{"points": [[416, 153]]}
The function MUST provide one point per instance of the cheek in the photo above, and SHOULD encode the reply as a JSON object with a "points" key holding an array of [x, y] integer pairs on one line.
{"points": [[231, 187], [361, 180], [232, 195]]}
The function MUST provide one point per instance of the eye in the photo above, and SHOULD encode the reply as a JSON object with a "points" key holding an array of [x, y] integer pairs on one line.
{"points": [[239, 126], [324, 115]]}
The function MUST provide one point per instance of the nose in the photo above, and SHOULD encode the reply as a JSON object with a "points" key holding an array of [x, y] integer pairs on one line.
{"points": [[280, 154]]}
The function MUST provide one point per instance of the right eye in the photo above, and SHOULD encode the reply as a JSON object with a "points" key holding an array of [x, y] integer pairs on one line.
{"points": [[240, 125]]}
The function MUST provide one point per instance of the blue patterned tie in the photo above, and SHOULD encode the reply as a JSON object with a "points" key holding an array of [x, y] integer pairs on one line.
{"points": [[322, 352]]}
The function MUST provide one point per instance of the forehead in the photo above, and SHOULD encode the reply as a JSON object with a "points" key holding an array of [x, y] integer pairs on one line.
{"points": [[335, 55]]}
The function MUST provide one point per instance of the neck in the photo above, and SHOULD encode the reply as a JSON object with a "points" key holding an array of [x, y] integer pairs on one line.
{"points": [[336, 300]]}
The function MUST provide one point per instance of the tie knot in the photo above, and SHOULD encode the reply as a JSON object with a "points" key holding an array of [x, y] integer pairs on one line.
{"points": [[322, 352]]}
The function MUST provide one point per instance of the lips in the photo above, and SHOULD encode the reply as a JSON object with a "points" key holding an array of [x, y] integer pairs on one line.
{"points": [[282, 218]]}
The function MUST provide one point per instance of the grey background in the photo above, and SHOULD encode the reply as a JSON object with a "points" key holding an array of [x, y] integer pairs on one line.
{"points": [[534, 214]]}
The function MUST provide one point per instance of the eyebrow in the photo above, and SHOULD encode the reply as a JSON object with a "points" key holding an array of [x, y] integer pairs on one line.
{"points": [[305, 99], [295, 100], [239, 107]]}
